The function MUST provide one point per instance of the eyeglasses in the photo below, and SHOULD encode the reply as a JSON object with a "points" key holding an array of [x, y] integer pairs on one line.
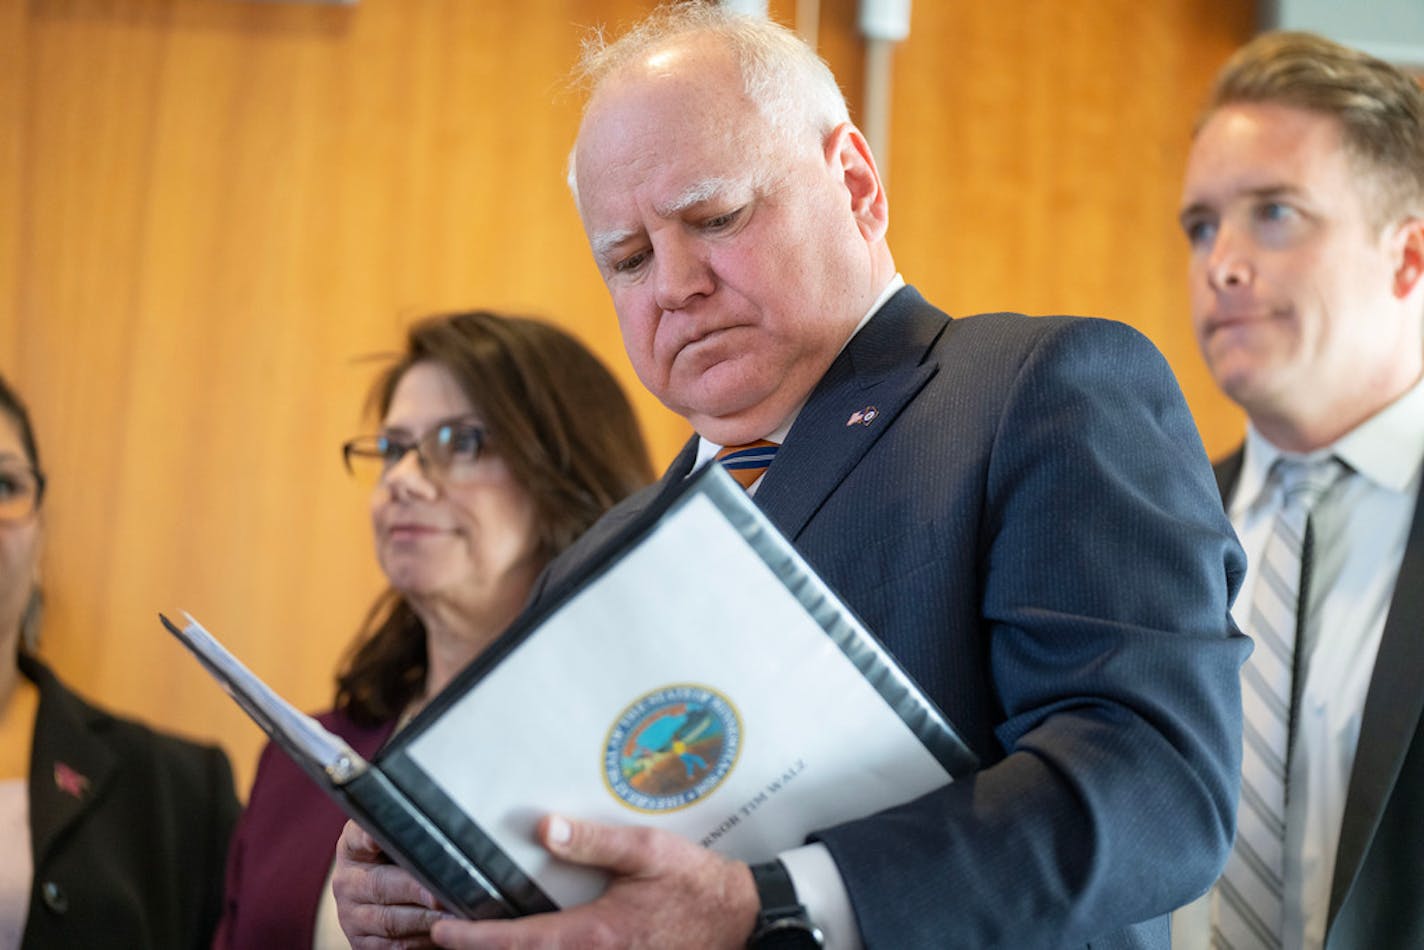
{"points": [[447, 452], [21, 489]]}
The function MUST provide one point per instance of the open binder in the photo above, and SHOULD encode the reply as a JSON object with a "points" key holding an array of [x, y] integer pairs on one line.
{"points": [[698, 677]]}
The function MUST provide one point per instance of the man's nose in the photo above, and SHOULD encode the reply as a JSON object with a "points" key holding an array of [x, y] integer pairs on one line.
{"points": [[1229, 265], [682, 274]]}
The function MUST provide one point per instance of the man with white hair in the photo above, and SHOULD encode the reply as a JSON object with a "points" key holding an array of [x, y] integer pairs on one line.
{"points": [[1026, 519]]}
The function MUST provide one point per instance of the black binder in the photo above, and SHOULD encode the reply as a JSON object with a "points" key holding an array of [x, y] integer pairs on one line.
{"points": [[671, 751]]}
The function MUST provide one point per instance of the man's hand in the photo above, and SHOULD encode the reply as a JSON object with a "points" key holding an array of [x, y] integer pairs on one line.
{"points": [[379, 905], [666, 893]]}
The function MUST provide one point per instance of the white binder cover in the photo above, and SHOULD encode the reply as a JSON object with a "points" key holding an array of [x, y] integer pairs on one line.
{"points": [[703, 680]]}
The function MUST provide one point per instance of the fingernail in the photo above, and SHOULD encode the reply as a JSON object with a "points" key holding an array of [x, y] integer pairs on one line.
{"points": [[560, 831]]}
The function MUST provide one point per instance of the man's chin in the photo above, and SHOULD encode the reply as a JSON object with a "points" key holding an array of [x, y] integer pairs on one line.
{"points": [[734, 427], [731, 407], [1240, 370], [711, 398], [1251, 386]]}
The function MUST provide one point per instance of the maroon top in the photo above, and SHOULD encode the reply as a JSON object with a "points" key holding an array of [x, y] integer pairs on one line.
{"points": [[283, 847]]}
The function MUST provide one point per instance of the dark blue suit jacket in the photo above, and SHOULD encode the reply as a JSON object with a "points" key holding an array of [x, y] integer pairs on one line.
{"points": [[1030, 524]]}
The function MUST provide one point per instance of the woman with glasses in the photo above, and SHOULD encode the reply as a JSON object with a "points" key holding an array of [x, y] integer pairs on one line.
{"points": [[500, 440], [111, 834]]}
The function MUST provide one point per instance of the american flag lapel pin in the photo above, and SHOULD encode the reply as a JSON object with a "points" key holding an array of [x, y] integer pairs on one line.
{"points": [[863, 416], [68, 781]]}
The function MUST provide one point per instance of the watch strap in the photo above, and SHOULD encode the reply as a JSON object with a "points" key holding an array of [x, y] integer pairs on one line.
{"points": [[782, 920]]}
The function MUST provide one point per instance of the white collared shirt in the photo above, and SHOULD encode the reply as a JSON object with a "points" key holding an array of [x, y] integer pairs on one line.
{"points": [[1360, 530], [813, 872]]}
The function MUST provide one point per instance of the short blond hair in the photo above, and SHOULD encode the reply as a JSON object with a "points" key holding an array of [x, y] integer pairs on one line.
{"points": [[1380, 108]]}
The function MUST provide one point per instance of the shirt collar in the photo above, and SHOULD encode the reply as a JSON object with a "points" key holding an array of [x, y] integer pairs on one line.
{"points": [[1387, 449], [707, 449]]}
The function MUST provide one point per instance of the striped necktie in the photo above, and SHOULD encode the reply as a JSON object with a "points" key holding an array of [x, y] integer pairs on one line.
{"points": [[1248, 902], [746, 463]]}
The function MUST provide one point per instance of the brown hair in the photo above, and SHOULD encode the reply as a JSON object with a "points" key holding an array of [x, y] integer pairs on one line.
{"points": [[557, 418], [1379, 107]]}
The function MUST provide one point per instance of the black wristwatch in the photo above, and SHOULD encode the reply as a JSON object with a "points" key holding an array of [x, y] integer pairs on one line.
{"points": [[781, 923]]}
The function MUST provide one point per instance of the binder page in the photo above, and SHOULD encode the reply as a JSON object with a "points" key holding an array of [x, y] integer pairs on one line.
{"points": [[685, 688]]}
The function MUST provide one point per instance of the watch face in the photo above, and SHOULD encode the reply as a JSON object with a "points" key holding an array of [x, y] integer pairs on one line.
{"points": [[787, 933]]}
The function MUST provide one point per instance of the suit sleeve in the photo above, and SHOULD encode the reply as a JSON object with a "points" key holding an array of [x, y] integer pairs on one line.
{"points": [[1105, 571]]}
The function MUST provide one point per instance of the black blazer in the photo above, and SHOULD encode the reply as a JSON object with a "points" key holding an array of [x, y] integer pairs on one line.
{"points": [[1029, 523], [129, 829], [1377, 896]]}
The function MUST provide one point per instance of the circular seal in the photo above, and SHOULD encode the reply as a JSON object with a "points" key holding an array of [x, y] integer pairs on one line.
{"points": [[671, 747]]}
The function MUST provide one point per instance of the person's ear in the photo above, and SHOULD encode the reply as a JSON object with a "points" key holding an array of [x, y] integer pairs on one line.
{"points": [[1408, 256], [848, 154]]}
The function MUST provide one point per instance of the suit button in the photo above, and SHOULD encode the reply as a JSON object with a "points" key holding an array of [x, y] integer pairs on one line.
{"points": [[54, 897]]}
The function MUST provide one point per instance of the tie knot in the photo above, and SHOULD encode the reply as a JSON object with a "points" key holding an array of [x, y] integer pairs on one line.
{"points": [[746, 463], [1305, 481]]}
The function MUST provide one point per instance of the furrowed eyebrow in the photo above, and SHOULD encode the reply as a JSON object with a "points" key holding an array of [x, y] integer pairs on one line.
{"points": [[605, 242], [694, 194]]}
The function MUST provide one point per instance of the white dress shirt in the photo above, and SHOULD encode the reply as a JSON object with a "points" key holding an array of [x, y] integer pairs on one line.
{"points": [[1360, 529], [813, 872]]}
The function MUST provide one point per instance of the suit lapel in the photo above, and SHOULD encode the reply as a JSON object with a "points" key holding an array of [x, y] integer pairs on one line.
{"points": [[70, 766], [871, 381], [1391, 716], [1228, 472]]}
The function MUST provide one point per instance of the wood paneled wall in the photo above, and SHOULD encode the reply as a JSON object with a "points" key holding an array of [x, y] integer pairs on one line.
{"points": [[213, 210]]}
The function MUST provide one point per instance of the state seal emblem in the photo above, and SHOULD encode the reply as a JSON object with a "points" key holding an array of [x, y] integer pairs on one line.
{"points": [[671, 747]]}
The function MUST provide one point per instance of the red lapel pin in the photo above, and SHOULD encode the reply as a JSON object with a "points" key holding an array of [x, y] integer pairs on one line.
{"points": [[69, 781]]}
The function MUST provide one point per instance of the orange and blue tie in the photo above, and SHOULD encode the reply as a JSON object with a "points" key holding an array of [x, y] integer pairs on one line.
{"points": [[746, 463]]}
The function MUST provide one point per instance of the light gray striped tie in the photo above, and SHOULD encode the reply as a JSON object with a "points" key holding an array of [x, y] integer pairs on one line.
{"points": [[1248, 900]]}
